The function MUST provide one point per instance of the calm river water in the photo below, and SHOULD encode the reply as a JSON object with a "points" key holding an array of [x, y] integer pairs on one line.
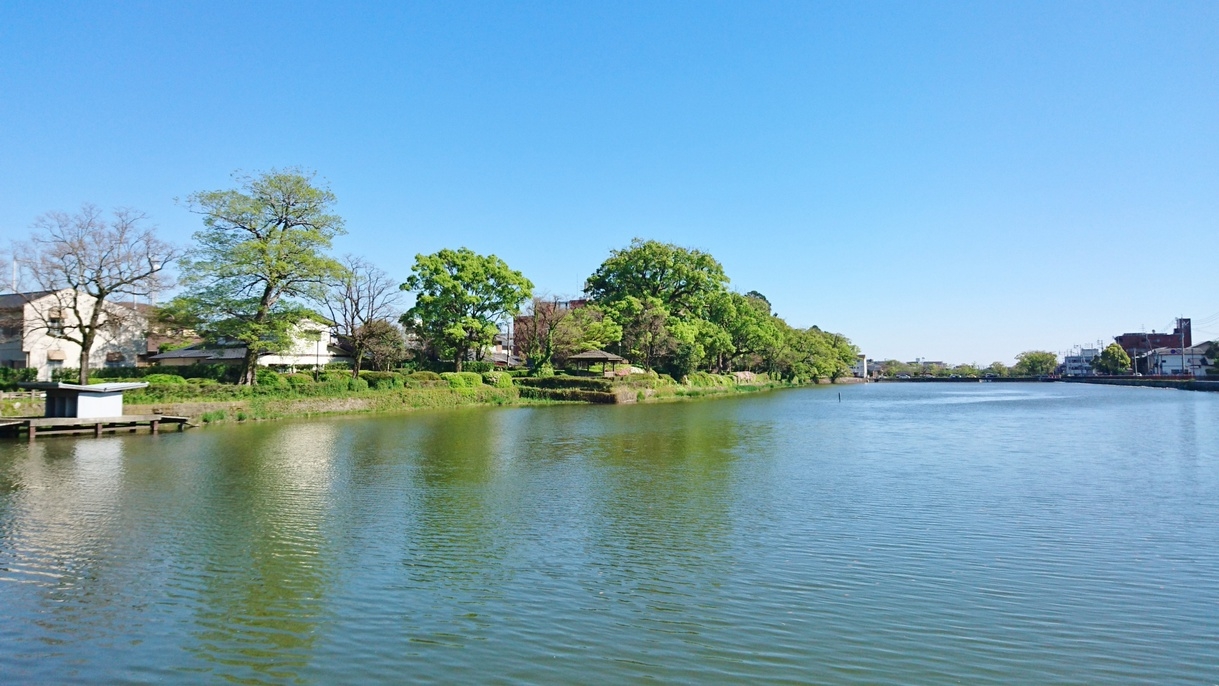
{"points": [[911, 533]]}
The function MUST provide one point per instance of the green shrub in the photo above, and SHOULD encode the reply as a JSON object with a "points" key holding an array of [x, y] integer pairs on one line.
{"points": [[203, 382], [707, 380], [382, 380], [298, 380], [269, 378], [587, 383], [424, 376], [544, 371], [214, 416], [462, 379], [335, 376], [356, 384], [666, 380], [164, 379], [9, 378], [478, 366], [497, 379]]}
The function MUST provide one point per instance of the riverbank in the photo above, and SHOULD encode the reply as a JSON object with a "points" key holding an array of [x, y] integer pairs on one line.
{"points": [[1147, 382], [202, 410]]}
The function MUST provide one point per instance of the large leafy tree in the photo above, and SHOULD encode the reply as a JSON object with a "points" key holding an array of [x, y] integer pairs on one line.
{"points": [[682, 280], [262, 251], [1035, 363], [1112, 360], [748, 324], [85, 263], [661, 295], [460, 296]]}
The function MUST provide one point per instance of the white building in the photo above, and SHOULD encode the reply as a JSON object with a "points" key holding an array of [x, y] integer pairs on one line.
{"points": [[36, 331], [1175, 361], [313, 344], [1081, 364]]}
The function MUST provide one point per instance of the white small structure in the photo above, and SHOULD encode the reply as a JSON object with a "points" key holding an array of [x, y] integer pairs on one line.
{"points": [[67, 400], [1081, 364]]}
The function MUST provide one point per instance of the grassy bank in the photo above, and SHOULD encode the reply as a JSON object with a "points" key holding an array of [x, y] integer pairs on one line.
{"points": [[212, 403]]}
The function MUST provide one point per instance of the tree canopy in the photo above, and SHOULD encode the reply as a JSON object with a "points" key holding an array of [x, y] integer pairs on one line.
{"points": [[460, 297], [262, 251], [1035, 363], [1112, 360], [677, 314]]}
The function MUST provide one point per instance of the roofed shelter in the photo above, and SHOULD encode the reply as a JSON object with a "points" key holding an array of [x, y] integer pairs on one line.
{"points": [[69, 400], [591, 357]]}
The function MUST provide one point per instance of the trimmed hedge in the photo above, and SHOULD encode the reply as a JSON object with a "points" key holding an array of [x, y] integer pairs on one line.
{"points": [[497, 379], [269, 377], [575, 382], [707, 380], [164, 379], [382, 380], [423, 376], [463, 379], [297, 380], [568, 394]]}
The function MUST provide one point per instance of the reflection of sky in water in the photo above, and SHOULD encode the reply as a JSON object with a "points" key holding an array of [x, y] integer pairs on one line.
{"points": [[907, 534]]}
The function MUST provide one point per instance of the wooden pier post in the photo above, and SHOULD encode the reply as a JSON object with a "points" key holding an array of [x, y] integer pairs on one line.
{"points": [[156, 426], [97, 430]]}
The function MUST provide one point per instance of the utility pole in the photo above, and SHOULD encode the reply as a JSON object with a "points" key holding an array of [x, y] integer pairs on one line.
{"points": [[1181, 328]]}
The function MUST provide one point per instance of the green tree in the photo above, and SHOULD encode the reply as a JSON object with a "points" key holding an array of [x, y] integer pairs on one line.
{"points": [[1035, 363], [681, 280], [1112, 360], [459, 298], [998, 369], [661, 294], [748, 325], [584, 328], [262, 248]]}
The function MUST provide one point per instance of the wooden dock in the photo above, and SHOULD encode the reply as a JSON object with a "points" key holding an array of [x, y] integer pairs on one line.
{"points": [[40, 426]]}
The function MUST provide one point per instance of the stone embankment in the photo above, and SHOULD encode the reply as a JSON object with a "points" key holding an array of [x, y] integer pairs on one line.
{"points": [[1147, 382]]}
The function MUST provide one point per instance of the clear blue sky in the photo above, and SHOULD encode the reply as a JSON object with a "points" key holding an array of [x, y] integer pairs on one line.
{"points": [[950, 181]]}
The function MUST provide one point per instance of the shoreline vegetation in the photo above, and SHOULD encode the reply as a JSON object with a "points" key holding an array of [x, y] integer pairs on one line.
{"points": [[269, 323], [388, 393]]}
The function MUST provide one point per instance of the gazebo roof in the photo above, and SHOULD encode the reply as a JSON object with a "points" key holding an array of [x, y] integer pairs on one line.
{"points": [[596, 356]]}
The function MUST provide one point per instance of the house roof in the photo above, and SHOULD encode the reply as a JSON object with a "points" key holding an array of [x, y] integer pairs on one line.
{"points": [[201, 351], [596, 356], [10, 301], [91, 388]]}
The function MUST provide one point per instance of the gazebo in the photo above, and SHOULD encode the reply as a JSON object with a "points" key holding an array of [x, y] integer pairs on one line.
{"points": [[591, 356]]}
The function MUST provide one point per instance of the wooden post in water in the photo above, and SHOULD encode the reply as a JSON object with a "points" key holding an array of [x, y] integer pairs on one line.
{"points": [[155, 426], [33, 431], [97, 430]]}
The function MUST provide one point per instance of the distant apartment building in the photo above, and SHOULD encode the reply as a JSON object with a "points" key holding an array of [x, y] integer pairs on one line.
{"points": [[35, 328], [1080, 364]]}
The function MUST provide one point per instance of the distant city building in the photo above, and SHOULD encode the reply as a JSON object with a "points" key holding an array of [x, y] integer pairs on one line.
{"points": [[1191, 361], [1081, 364], [1138, 345]]}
